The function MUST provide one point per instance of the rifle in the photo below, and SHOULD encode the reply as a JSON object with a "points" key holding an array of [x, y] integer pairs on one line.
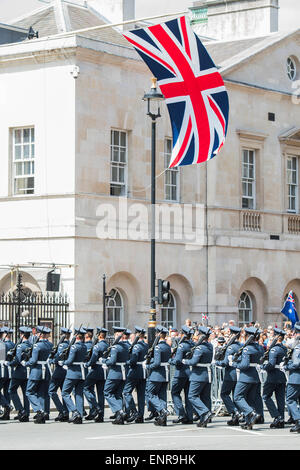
{"points": [[90, 352], [289, 354], [150, 352], [183, 338], [136, 339], [54, 350], [65, 353], [266, 355], [190, 353], [11, 354], [240, 351], [221, 351], [116, 341]]}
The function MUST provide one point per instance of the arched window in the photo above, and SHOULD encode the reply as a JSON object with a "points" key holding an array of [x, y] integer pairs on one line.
{"points": [[114, 311], [168, 313], [245, 309]]}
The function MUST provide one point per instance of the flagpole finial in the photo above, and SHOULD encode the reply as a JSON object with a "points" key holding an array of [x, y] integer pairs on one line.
{"points": [[153, 80]]}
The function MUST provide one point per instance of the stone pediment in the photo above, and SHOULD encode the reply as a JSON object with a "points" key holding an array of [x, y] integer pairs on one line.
{"points": [[291, 137]]}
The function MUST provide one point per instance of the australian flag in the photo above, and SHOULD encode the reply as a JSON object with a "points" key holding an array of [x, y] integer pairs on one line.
{"points": [[194, 90], [289, 309]]}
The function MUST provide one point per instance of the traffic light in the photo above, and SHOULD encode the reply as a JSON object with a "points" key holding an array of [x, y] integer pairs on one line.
{"points": [[163, 292]]}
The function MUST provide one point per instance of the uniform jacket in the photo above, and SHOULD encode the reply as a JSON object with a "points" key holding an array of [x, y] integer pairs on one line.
{"points": [[40, 352], [230, 372], [251, 355], [276, 355], [4, 370], [77, 354], [19, 371], [162, 354], [138, 354], [181, 370], [96, 371], [59, 372], [118, 354], [294, 367], [203, 354]]}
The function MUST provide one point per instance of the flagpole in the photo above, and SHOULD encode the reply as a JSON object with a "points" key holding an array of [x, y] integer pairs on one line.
{"points": [[113, 25]]}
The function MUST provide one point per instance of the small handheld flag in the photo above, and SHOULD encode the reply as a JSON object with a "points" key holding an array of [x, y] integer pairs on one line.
{"points": [[194, 90], [289, 309]]}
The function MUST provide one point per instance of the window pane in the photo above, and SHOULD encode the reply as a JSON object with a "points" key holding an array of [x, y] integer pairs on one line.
{"points": [[32, 151], [116, 138], [122, 155], [123, 139], [114, 173], [26, 151], [26, 135], [18, 136], [32, 134], [19, 169], [18, 152]]}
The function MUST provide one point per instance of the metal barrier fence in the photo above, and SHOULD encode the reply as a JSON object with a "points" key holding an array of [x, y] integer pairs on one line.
{"points": [[216, 386]]}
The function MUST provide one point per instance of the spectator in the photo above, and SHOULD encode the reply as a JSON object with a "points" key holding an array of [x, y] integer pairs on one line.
{"points": [[188, 322]]}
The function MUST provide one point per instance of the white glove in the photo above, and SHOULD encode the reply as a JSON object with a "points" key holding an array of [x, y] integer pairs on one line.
{"points": [[230, 360], [23, 363], [183, 361], [60, 363], [6, 363], [104, 366], [65, 367]]}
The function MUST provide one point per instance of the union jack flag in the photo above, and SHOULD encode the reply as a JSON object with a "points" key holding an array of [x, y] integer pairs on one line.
{"points": [[193, 88]]}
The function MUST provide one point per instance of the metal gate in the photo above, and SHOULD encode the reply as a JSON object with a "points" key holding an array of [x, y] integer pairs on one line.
{"points": [[22, 308]]}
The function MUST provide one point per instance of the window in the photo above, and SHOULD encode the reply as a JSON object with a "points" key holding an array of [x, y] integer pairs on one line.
{"points": [[171, 175], [114, 311], [291, 68], [118, 163], [248, 179], [292, 183], [23, 160], [168, 313], [245, 309]]}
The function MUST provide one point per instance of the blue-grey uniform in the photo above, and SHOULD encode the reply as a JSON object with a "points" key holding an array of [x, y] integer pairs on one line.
{"points": [[159, 375], [96, 377], [39, 375], [136, 377], [181, 377], [229, 381], [75, 376], [116, 377], [19, 377], [276, 379], [248, 379], [59, 375], [201, 377], [5, 371], [293, 386]]}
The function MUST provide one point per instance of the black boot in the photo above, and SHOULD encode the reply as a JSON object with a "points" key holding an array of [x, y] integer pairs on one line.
{"points": [[290, 421], [6, 414], [63, 417], [151, 416], [250, 420], [120, 417], [259, 419], [39, 418], [204, 419], [77, 418], [178, 420], [234, 421], [139, 420], [296, 428], [132, 416], [99, 418], [278, 423], [113, 416], [161, 420], [23, 417], [92, 415]]}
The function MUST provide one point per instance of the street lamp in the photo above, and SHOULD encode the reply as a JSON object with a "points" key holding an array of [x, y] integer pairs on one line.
{"points": [[153, 110]]}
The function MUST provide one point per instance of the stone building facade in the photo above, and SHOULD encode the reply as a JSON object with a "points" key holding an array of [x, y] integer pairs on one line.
{"points": [[74, 187]]}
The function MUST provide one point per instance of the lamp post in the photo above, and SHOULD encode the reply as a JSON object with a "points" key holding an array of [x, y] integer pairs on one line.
{"points": [[153, 111]]}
